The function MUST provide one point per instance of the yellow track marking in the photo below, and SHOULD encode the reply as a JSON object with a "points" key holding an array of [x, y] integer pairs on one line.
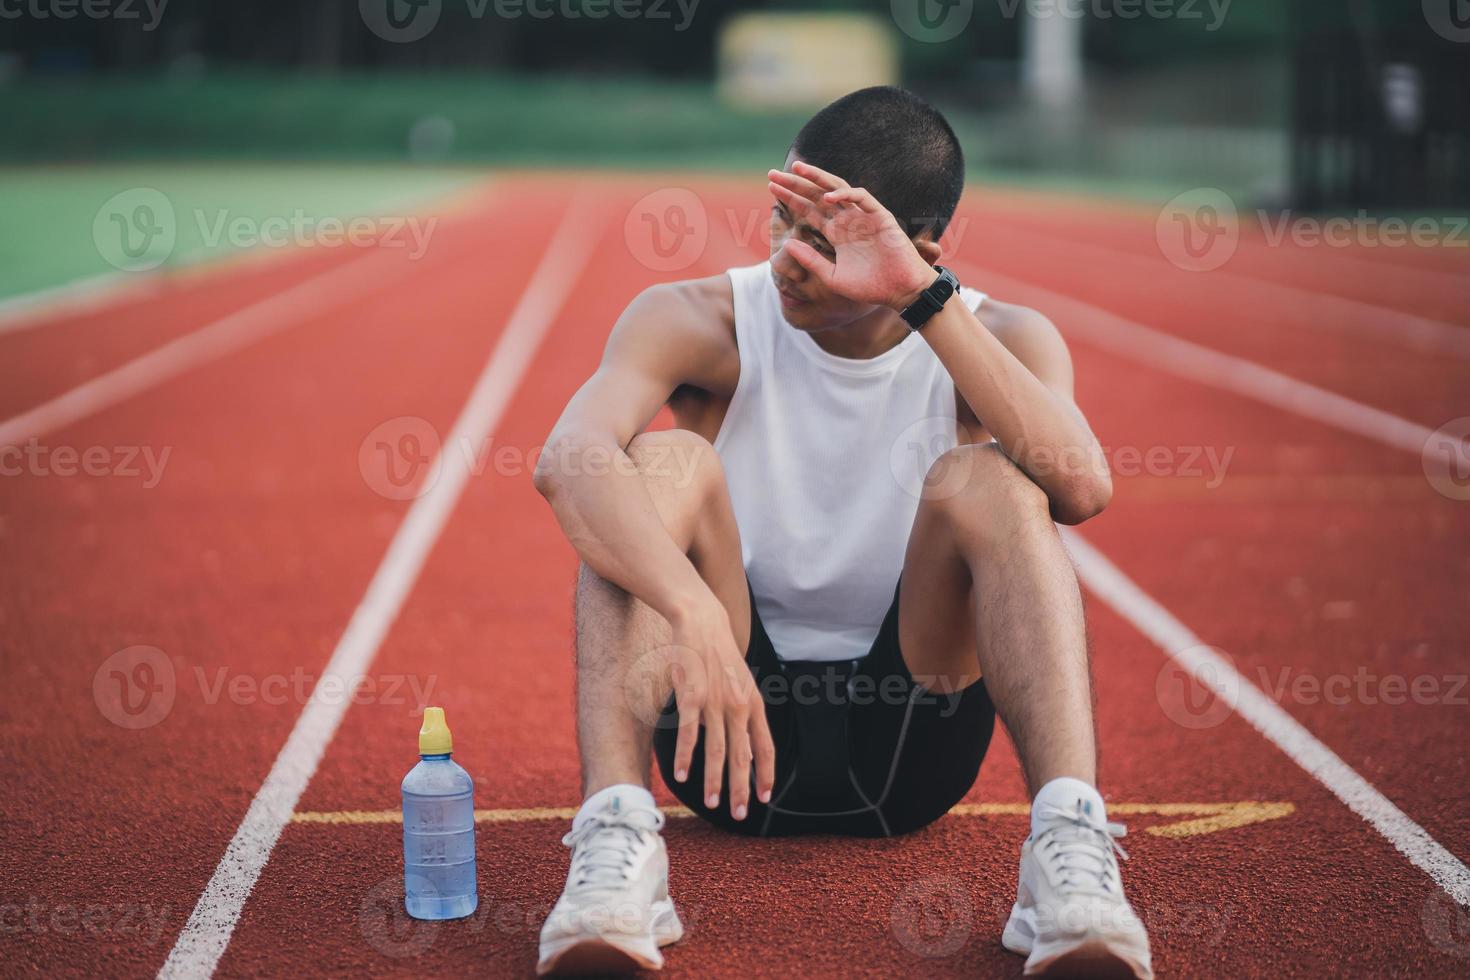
{"points": [[1226, 816], [1207, 817], [351, 816], [1210, 816]]}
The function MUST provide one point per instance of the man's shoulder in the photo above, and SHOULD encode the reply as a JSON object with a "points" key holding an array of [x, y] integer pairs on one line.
{"points": [[685, 328], [1025, 332], [1033, 339], [702, 308], [1012, 322]]}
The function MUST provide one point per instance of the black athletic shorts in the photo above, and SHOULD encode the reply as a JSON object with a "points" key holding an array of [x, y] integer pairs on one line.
{"points": [[861, 748]]}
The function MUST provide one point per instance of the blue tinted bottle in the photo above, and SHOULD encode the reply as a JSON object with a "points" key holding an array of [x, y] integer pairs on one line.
{"points": [[438, 829]]}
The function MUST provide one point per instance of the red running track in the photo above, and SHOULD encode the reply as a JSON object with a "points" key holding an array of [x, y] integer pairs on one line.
{"points": [[1315, 553]]}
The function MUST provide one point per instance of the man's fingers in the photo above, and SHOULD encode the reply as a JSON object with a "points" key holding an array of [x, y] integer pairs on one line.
{"points": [[794, 202], [764, 750], [691, 705], [797, 185], [854, 195], [811, 260], [714, 755], [737, 750], [818, 176]]}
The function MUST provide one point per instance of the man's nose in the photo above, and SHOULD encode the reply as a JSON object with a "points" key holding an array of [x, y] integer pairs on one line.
{"points": [[785, 267]]}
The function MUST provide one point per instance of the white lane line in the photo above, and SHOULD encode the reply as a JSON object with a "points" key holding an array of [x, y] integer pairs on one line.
{"points": [[246, 326], [205, 936], [1215, 673], [1333, 261], [59, 304], [77, 296], [1108, 331], [1311, 309]]}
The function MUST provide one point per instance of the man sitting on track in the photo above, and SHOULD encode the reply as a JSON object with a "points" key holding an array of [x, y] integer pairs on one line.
{"points": [[846, 418]]}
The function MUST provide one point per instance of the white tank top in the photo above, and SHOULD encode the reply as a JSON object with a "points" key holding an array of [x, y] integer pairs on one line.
{"points": [[825, 458]]}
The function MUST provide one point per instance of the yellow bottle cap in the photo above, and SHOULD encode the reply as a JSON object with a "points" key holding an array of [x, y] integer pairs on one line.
{"points": [[434, 738]]}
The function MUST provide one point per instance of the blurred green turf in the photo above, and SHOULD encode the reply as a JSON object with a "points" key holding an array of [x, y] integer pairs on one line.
{"points": [[501, 119], [218, 141], [48, 214]]}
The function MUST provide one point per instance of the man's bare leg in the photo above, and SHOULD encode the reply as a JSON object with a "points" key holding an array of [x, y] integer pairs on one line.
{"points": [[616, 913], [989, 590], [618, 698]]}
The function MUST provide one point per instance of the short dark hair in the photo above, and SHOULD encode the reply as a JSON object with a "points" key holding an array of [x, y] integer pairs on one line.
{"points": [[895, 145]]}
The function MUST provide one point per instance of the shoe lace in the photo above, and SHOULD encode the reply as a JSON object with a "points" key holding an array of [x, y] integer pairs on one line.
{"points": [[603, 846], [1082, 848]]}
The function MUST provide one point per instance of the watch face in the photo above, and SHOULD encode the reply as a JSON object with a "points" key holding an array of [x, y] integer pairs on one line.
{"points": [[943, 288]]}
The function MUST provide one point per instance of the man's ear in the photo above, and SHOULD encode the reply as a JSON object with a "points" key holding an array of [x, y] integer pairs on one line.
{"points": [[929, 250]]}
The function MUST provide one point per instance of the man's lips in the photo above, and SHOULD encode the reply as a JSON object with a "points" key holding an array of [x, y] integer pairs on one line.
{"points": [[790, 299]]}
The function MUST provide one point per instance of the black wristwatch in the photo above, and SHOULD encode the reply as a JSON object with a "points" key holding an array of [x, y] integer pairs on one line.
{"points": [[931, 300]]}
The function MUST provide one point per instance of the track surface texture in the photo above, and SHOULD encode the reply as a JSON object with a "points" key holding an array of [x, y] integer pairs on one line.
{"points": [[161, 634]]}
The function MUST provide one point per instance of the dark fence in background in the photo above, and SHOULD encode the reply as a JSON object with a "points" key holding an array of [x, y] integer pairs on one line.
{"points": [[671, 37], [1381, 108], [663, 37], [328, 35]]}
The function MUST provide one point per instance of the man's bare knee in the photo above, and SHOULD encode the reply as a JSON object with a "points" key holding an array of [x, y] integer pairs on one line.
{"points": [[683, 475], [984, 496], [676, 460]]}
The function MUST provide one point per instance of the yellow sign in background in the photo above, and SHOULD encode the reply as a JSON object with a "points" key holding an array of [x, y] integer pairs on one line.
{"points": [[771, 61]]}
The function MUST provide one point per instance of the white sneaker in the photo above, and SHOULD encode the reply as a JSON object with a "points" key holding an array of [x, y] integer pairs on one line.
{"points": [[615, 912], [1070, 917]]}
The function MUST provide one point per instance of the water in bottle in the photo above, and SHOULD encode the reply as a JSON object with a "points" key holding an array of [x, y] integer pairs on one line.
{"points": [[438, 829]]}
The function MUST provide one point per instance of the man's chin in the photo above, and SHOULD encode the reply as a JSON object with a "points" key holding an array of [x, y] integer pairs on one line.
{"points": [[815, 318], [806, 324]]}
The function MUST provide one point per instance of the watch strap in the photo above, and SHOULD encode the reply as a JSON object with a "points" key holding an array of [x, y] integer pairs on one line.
{"points": [[931, 300]]}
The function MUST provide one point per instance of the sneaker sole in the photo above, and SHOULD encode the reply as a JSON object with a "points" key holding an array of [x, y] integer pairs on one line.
{"points": [[1085, 957], [1092, 959], [585, 957], [598, 954]]}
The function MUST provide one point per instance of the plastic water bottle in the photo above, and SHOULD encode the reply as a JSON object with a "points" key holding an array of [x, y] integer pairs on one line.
{"points": [[438, 829]]}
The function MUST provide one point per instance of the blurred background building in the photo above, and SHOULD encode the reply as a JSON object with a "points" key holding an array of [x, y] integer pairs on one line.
{"points": [[1317, 103]]}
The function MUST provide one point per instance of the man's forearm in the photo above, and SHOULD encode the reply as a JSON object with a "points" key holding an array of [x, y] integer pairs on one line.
{"points": [[610, 519], [1036, 428]]}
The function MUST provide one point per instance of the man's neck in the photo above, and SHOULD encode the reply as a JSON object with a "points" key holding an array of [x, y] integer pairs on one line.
{"points": [[864, 338]]}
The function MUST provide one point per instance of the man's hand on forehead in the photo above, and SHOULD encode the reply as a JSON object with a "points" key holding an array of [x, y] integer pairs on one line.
{"points": [[875, 261]]}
